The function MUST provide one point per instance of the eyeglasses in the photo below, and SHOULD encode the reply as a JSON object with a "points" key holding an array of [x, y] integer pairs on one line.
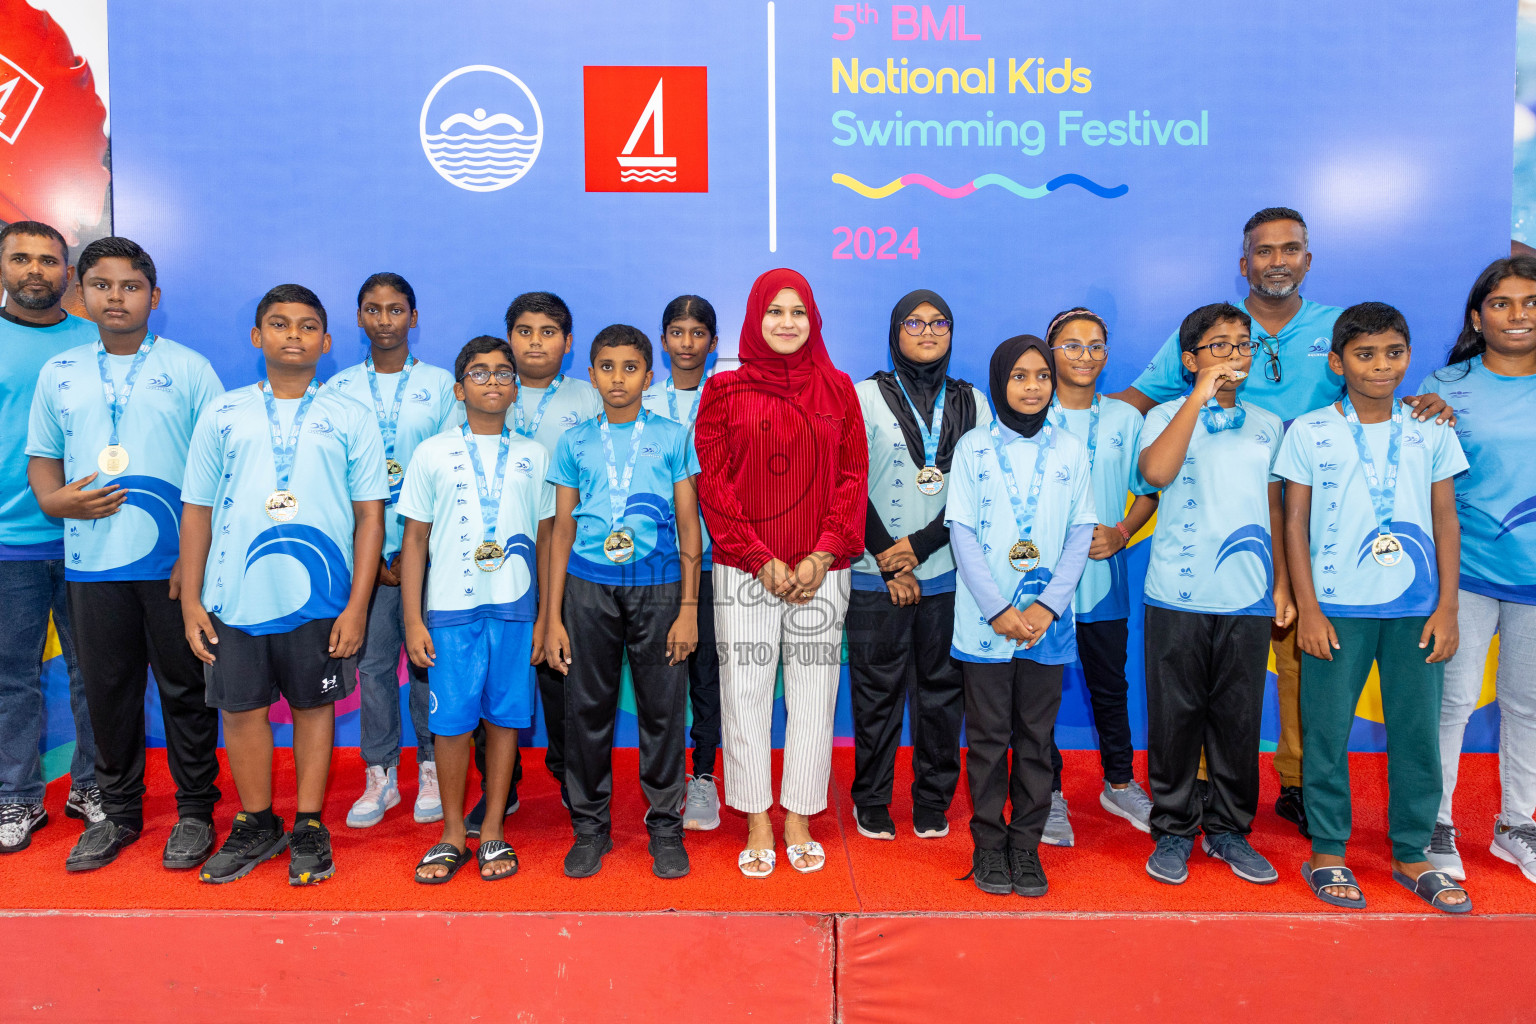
{"points": [[916, 327], [1271, 363], [1222, 349], [484, 376], [1098, 351]]}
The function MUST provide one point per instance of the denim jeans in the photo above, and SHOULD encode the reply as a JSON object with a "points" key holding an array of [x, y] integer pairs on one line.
{"points": [[379, 680], [28, 590], [1479, 618]]}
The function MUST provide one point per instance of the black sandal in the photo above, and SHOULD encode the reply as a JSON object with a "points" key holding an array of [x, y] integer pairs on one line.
{"points": [[491, 851], [446, 854]]}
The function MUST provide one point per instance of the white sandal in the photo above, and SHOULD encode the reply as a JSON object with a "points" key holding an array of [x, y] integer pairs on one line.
{"points": [[750, 856], [801, 850]]}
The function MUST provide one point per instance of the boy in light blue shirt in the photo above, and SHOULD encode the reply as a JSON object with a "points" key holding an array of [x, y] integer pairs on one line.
{"points": [[1371, 507], [411, 400], [689, 337], [119, 412], [624, 576], [283, 522], [1215, 583], [35, 275], [476, 500]]}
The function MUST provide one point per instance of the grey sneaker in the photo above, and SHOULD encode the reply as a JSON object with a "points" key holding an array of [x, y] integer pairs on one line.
{"points": [[84, 803], [1058, 827], [1442, 853], [1130, 803], [701, 811], [1170, 859], [1246, 862], [1516, 845]]}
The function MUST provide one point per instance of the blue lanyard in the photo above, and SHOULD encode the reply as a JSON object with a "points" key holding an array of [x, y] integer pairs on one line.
{"points": [[1384, 487], [1217, 418], [1093, 426], [389, 425], [930, 435], [490, 490], [538, 415], [618, 486], [283, 452], [117, 405], [1023, 509], [672, 404]]}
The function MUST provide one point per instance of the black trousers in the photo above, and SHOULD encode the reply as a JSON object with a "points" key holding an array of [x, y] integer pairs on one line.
{"points": [[1101, 651], [604, 621], [704, 682], [122, 629], [897, 656], [1009, 705], [1205, 690]]}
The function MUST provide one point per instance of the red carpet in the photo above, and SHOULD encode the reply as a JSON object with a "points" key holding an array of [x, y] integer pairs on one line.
{"points": [[1104, 872]]}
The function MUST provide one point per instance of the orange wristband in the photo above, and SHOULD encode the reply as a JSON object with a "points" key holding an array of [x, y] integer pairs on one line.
{"points": [[1123, 531]]}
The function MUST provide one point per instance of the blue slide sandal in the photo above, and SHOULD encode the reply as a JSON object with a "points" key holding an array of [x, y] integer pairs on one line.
{"points": [[1319, 879], [1430, 886]]}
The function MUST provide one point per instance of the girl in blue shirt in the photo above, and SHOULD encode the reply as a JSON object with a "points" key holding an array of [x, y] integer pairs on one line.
{"points": [[1489, 378], [1021, 520]]}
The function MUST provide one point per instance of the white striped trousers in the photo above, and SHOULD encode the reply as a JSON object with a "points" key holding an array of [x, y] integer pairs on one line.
{"points": [[755, 631]]}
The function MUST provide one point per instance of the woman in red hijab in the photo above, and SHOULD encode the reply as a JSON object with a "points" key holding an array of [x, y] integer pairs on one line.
{"points": [[783, 457]]}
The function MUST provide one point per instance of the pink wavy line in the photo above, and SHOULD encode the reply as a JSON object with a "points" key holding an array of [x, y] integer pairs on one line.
{"points": [[943, 190]]}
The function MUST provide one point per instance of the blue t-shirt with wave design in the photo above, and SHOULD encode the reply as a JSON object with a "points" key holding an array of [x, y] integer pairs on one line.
{"points": [[265, 577], [72, 422], [666, 457], [1320, 453]]}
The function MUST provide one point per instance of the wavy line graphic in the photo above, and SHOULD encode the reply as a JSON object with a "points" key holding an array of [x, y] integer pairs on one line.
{"points": [[961, 191]]}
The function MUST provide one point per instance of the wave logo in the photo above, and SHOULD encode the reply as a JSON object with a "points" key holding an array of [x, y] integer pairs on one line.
{"points": [[481, 128], [647, 129]]}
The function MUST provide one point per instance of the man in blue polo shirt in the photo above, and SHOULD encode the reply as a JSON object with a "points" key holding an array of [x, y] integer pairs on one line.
{"points": [[1290, 377], [35, 273]]}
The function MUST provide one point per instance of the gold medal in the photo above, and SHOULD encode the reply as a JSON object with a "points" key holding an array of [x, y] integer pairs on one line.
{"points": [[1024, 556], [930, 480], [619, 546], [113, 459], [282, 506], [396, 472], [1387, 550], [489, 556]]}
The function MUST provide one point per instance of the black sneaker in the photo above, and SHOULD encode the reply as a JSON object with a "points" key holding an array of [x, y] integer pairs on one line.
{"points": [[1026, 873], [476, 816], [668, 857], [248, 844], [1291, 808], [17, 823], [989, 869], [190, 843], [929, 822], [84, 804], [874, 822], [309, 853], [99, 846], [586, 856]]}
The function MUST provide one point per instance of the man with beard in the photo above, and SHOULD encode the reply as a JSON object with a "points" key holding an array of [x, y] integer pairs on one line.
{"points": [[1290, 376], [35, 273]]}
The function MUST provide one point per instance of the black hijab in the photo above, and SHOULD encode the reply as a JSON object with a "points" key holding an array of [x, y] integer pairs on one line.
{"points": [[923, 381], [1003, 361]]}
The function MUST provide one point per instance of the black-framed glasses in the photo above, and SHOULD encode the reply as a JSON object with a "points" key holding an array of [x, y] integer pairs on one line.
{"points": [[916, 327], [484, 376], [1271, 363], [1222, 349], [1098, 351]]}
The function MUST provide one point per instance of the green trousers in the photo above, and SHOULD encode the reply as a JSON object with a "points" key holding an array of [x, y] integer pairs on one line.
{"points": [[1410, 700]]}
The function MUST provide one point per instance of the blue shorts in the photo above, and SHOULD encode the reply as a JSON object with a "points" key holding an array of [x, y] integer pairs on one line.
{"points": [[481, 670]]}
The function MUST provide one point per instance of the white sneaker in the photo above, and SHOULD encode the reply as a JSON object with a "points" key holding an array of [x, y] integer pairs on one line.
{"points": [[701, 810], [381, 793], [1516, 845], [429, 800], [1442, 853]]}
